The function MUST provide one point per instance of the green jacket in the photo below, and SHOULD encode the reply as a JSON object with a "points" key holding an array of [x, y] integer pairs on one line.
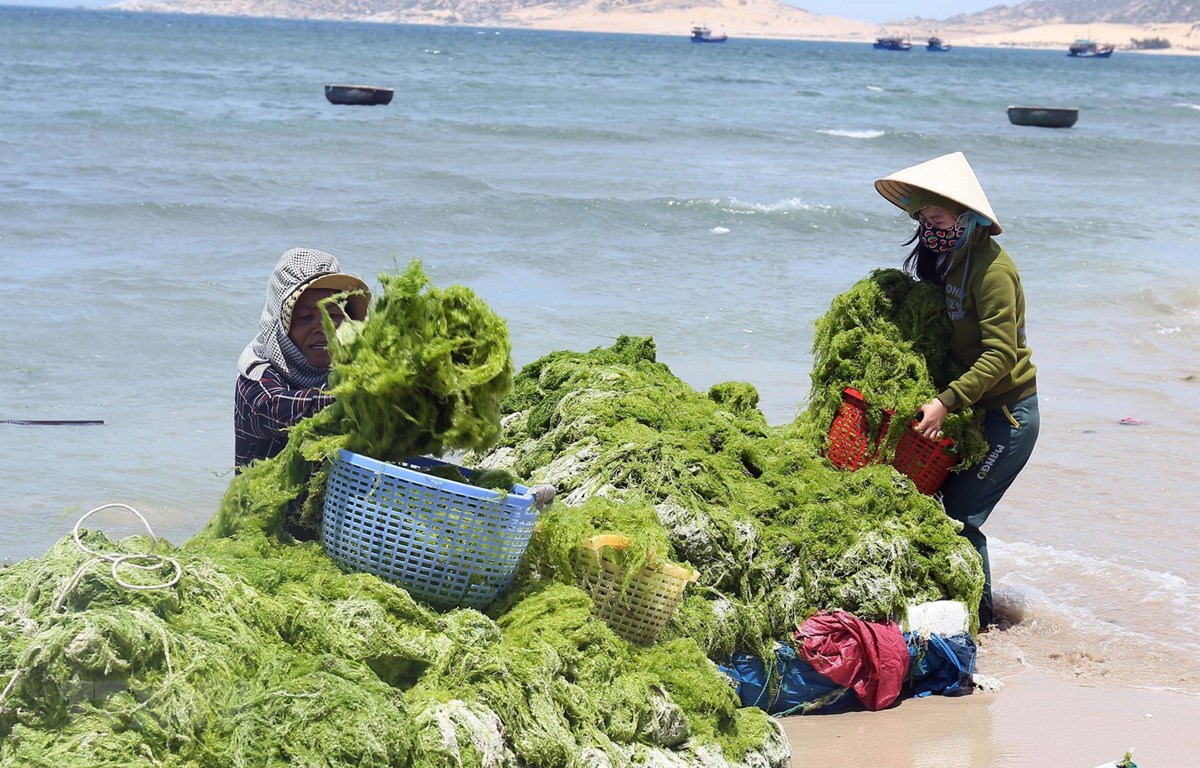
{"points": [[986, 305]]}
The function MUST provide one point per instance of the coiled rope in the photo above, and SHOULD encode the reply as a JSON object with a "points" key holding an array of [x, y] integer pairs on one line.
{"points": [[146, 561]]}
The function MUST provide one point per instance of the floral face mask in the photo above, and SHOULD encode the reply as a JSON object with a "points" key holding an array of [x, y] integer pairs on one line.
{"points": [[940, 240]]}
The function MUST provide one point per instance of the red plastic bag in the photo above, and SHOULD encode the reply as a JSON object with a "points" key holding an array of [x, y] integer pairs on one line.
{"points": [[871, 659]]}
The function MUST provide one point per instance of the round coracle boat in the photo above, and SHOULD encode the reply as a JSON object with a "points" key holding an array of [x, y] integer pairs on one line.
{"points": [[1043, 117], [368, 95]]}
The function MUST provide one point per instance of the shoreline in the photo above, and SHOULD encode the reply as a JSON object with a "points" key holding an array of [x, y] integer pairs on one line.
{"points": [[740, 19], [1057, 38]]}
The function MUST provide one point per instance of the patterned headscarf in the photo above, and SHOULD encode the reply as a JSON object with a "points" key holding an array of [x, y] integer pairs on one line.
{"points": [[297, 270]]}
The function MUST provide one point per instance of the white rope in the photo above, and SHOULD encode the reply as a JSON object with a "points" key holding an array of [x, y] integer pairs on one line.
{"points": [[146, 561], [12, 683]]}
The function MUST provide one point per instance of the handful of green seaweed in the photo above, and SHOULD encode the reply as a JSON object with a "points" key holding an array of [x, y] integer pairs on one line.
{"points": [[425, 373], [886, 337]]}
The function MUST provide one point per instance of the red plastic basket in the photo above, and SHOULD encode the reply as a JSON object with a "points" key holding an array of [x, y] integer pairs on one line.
{"points": [[851, 445], [926, 462]]}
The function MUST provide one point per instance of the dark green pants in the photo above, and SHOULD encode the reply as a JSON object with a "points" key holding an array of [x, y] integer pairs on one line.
{"points": [[971, 495]]}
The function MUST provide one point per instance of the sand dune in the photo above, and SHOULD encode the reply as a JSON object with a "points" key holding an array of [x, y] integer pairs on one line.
{"points": [[1184, 38], [736, 18], [774, 19]]}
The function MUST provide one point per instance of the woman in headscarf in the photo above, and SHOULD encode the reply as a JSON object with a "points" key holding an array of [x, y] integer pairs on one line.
{"points": [[282, 373], [985, 302]]}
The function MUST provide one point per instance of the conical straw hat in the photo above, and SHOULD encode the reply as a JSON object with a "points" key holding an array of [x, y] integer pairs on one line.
{"points": [[949, 176]]}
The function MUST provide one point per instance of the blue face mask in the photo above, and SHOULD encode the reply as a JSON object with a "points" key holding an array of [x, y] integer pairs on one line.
{"points": [[940, 240]]}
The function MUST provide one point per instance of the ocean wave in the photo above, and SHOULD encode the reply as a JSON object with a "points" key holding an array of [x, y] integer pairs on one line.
{"points": [[788, 213], [1187, 298], [549, 132], [1107, 612], [789, 204], [1179, 303], [849, 134]]}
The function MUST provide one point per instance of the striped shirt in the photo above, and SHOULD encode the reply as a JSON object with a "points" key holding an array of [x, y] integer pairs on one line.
{"points": [[262, 412]]}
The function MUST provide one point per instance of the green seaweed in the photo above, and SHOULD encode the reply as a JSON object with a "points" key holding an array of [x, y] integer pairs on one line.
{"points": [[423, 375], [886, 337], [562, 529], [266, 653], [776, 532], [494, 479]]}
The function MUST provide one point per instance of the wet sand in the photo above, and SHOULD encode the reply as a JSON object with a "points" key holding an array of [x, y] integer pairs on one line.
{"points": [[1036, 719]]}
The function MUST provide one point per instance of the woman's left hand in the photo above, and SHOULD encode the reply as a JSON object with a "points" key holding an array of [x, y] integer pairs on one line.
{"points": [[543, 496], [931, 418]]}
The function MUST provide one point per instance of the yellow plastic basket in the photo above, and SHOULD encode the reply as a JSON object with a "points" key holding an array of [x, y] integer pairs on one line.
{"points": [[637, 609]]}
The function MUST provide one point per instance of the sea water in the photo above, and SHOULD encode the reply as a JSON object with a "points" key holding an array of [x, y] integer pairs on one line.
{"points": [[716, 198]]}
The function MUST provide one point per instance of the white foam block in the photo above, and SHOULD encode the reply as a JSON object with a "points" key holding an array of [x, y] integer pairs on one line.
{"points": [[941, 617]]}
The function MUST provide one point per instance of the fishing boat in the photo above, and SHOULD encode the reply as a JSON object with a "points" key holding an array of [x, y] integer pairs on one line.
{"points": [[936, 43], [1043, 117], [703, 34], [893, 43], [367, 95], [1088, 49]]}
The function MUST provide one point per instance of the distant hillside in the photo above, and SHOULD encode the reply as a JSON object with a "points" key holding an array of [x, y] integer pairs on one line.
{"points": [[1041, 12], [749, 18], [1037, 23], [516, 13], [523, 12]]}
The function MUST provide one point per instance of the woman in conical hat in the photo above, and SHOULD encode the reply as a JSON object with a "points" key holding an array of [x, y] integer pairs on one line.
{"points": [[955, 248], [282, 373]]}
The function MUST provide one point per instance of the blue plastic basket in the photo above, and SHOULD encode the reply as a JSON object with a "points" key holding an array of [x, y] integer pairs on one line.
{"points": [[449, 544]]}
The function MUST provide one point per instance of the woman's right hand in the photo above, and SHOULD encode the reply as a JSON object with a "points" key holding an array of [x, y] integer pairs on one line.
{"points": [[930, 419]]}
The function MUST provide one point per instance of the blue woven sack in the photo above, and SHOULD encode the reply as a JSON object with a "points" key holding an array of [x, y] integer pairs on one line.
{"points": [[450, 544], [793, 687], [941, 664]]}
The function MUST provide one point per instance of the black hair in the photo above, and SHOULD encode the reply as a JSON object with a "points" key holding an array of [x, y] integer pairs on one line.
{"points": [[921, 262]]}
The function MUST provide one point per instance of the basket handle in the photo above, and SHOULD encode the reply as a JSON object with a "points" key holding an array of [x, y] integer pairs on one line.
{"points": [[945, 443], [618, 541]]}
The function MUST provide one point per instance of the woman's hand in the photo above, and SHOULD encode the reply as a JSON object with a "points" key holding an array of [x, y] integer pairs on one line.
{"points": [[931, 417], [543, 496]]}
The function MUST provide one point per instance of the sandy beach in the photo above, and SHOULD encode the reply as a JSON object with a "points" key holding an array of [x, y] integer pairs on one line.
{"points": [[757, 19], [1050, 697], [1184, 38], [1035, 720], [764, 19]]}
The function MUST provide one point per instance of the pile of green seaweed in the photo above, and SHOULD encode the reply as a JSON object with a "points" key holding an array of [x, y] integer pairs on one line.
{"points": [[265, 653], [775, 530], [886, 337]]}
